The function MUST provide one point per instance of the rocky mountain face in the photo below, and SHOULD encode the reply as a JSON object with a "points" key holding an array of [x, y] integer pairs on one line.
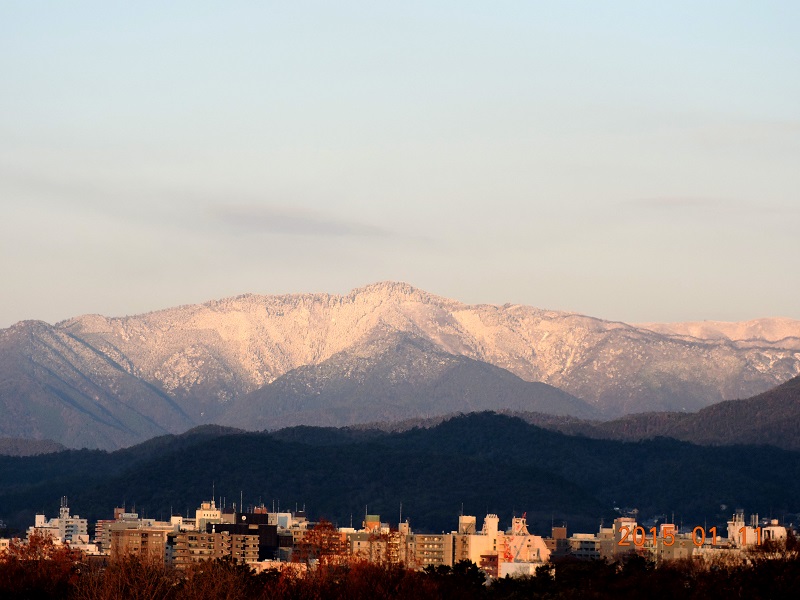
{"points": [[393, 376], [198, 364]]}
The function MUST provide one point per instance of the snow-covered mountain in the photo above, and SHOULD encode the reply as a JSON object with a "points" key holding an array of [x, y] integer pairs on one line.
{"points": [[203, 358]]}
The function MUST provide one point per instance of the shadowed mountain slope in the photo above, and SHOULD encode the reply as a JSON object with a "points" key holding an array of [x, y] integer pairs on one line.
{"points": [[24, 447], [56, 386], [389, 377], [769, 418]]}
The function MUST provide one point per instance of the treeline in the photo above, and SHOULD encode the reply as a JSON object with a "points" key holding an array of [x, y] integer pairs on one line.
{"points": [[481, 462], [58, 573]]}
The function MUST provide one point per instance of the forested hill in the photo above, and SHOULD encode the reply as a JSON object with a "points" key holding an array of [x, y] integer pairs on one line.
{"points": [[769, 418], [485, 462]]}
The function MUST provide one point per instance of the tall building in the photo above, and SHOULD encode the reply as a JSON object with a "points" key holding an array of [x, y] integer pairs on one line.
{"points": [[497, 552], [64, 528]]}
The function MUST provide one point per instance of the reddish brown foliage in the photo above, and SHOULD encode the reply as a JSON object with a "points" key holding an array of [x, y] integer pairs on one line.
{"points": [[38, 569], [322, 543]]}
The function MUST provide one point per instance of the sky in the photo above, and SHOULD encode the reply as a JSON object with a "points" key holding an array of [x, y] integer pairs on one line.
{"points": [[635, 161]]}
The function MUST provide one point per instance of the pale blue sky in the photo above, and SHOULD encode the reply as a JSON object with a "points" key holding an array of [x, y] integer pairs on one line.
{"points": [[629, 160]]}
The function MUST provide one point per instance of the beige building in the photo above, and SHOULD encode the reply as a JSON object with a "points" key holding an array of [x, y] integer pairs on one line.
{"points": [[491, 548], [194, 546], [376, 542], [741, 535], [585, 546], [432, 549], [144, 542], [105, 528], [207, 513]]}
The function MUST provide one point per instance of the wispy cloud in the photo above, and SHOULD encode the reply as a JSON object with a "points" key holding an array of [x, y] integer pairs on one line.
{"points": [[158, 206], [277, 220]]}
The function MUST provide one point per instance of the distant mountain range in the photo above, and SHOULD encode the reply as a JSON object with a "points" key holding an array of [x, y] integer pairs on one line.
{"points": [[385, 351]]}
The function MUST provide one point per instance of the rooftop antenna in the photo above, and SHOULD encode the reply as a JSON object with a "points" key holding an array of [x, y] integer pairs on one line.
{"points": [[241, 499], [213, 490], [401, 513]]}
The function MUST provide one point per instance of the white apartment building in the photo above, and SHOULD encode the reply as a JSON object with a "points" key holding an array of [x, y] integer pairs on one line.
{"points": [[64, 528]]}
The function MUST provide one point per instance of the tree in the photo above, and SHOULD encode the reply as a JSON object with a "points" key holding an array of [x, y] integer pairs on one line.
{"points": [[37, 568], [322, 543], [131, 577]]}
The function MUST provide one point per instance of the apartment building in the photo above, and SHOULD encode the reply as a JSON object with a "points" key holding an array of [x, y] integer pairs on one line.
{"points": [[432, 549], [65, 528], [191, 547], [150, 543], [492, 548]]}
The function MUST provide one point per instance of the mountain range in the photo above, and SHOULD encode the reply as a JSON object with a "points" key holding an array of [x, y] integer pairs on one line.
{"points": [[386, 351]]}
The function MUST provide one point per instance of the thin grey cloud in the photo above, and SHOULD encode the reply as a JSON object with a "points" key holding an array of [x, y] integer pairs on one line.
{"points": [[160, 207], [271, 220], [120, 201]]}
